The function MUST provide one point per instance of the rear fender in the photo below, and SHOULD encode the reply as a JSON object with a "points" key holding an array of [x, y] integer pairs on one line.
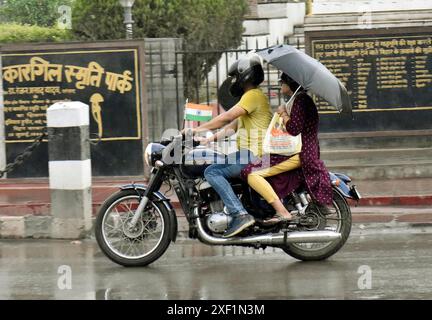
{"points": [[343, 177], [339, 182], [140, 188]]}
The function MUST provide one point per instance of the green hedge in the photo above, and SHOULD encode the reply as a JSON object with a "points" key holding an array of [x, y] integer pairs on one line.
{"points": [[14, 33]]}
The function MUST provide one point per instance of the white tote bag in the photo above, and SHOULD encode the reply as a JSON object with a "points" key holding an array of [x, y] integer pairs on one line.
{"points": [[277, 140]]}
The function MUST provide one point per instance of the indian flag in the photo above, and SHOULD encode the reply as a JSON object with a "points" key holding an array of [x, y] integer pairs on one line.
{"points": [[198, 112]]}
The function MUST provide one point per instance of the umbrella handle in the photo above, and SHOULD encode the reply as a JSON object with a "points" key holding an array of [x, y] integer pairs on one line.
{"points": [[291, 99]]}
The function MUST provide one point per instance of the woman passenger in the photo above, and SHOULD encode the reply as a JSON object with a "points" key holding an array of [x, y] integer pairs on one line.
{"points": [[286, 173]]}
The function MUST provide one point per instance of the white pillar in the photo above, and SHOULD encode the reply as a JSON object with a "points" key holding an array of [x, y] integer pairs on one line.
{"points": [[69, 169]]}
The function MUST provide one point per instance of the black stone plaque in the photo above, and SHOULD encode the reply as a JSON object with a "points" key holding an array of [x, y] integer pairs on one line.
{"points": [[106, 79], [388, 75]]}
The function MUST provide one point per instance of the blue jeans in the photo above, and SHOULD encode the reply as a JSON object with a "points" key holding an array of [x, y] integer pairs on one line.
{"points": [[217, 175]]}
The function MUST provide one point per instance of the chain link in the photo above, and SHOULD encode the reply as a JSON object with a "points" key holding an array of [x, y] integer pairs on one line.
{"points": [[95, 143], [24, 155], [28, 152]]}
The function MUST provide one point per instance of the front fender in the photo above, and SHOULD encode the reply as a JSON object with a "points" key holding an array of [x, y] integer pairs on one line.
{"points": [[173, 224]]}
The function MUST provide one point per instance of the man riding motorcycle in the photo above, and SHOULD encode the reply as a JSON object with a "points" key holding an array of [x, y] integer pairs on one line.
{"points": [[249, 119], [135, 225]]}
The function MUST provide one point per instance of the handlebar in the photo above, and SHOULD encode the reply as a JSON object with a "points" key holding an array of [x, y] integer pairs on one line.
{"points": [[175, 142]]}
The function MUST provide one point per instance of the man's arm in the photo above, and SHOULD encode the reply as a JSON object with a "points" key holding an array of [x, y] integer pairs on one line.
{"points": [[222, 119], [227, 131]]}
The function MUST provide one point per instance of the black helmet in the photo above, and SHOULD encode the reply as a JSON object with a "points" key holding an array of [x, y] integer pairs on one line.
{"points": [[245, 70]]}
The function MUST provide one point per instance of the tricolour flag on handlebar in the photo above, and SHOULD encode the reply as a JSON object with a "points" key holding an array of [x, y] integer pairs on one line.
{"points": [[198, 112]]}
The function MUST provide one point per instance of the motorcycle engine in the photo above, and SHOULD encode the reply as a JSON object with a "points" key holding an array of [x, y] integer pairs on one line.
{"points": [[218, 221]]}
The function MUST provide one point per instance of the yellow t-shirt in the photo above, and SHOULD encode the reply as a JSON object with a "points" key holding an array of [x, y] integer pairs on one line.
{"points": [[252, 126]]}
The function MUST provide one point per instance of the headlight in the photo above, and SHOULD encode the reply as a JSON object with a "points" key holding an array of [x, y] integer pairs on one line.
{"points": [[152, 153], [148, 154]]}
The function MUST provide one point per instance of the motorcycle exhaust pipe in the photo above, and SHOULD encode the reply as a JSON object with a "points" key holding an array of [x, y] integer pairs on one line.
{"points": [[307, 236], [270, 238]]}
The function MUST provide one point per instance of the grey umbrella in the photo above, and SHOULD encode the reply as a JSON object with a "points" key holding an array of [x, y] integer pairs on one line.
{"points": [[310, 74]]}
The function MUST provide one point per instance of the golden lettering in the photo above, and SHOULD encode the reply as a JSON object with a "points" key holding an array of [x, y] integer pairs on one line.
{"points": [[52, 90], [407, 51], [37, 90], [79, 73], [29, 72], [41, 67], [319, 55], [119, 82], [10, 74], [92, 75], [96, 72], [38, 66], [369, 45]]}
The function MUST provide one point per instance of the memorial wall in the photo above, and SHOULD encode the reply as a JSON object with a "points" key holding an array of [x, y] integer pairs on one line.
{"points": [[106, 77], [388, 74]]}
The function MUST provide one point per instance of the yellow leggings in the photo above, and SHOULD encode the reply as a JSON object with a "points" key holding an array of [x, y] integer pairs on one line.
{"points": [[257, 181]]}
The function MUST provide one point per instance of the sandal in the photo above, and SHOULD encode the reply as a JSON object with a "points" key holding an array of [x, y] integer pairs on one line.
{"points": [[278, 218]]}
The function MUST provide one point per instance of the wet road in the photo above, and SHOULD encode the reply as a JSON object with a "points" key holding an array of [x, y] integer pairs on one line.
{"points": [[368, 267]]}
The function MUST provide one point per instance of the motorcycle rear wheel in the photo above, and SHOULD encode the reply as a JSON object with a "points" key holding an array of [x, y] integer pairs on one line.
{"points": [[141, 246], [302, 252]]}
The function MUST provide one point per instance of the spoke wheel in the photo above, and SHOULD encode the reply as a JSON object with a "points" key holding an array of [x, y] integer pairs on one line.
{"points": [[132, 246], [338, 219]]}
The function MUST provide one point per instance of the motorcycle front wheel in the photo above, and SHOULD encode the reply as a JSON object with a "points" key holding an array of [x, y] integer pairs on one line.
{"points": [[132, 247], [339, 220]]}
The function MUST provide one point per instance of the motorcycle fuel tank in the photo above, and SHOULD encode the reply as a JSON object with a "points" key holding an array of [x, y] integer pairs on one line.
{"points": [[197, 160]]}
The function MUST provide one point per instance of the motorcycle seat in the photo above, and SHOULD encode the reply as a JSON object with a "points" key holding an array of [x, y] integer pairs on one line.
{"points": [[233, 181]]}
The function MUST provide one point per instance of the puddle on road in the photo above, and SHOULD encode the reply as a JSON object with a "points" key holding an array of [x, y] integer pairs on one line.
{"points": [[191, 270], [197, 249]]}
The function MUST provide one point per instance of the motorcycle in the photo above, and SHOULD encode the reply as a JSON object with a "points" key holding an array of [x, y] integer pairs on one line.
{"points": [[135, 226]]}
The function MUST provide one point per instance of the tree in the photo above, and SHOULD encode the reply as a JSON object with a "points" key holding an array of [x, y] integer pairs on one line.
{"points": [[42, 13], [215, 25], [98, 20], [203, 24]]}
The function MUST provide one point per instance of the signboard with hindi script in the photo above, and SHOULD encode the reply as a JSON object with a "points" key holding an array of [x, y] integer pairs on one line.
{"points": [[387, 72], [105, 76]]}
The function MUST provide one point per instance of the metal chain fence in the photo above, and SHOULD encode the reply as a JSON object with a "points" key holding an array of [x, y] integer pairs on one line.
{"points": [[23, 156], [29, 150]]}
